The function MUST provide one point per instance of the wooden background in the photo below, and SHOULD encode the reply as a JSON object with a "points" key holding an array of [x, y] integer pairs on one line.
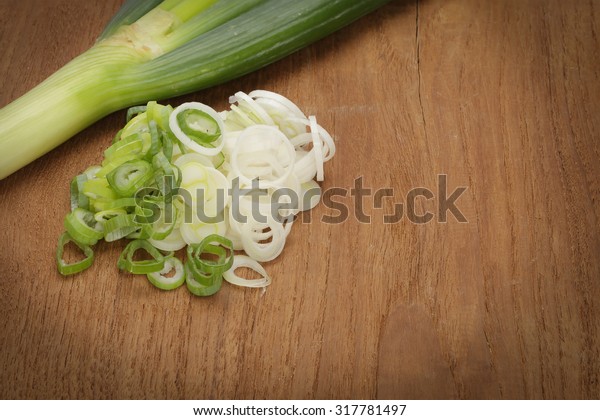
{"points": [[502, 96]]}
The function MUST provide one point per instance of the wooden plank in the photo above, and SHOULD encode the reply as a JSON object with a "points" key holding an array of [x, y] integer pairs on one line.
{"points": [[501, 97]]}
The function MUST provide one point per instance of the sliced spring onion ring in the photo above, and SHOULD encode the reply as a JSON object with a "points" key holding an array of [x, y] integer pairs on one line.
{"points": [[193, 157], [317, 147], [202, 284], [77, 267], [239, 118], [155, 144], [207, 128], [168, 147], [78, 198], [284, 112], [104, 215], [305, 167], [130, 177], [129, 148], [119, 227], [215, 245], [99, 188], [127, 263], [198, 125], [195, 232], [251, 238], [162, 228], [92, 171], [83, 227], [138, 124], [328, 143], [204, 276], [263, 142], [240, 261], [285, 102], [159, 280], [133, 111], [257, 149], [247, 102], [160, 114], [310, 195], [121, 203], [142, 232], [173, 242]]}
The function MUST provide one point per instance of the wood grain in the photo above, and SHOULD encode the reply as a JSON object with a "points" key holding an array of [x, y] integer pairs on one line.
{"points": [[503, 97]]}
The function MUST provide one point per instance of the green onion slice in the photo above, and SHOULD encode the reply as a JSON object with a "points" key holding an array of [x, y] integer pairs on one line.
{"points": [[162, 228], [122, 203], [159, 280], [167, 145], [127, 263], [119, 227], [160, 114], [201, 284], [117, 136], [104, 215], [98, 188], [138, 124], [78, 198], [83, 227], [155, 144], [217, 246], [198, 127], [134, 111], [142, 232], [129, 148], [77, 267], [130, 177], [218, 160]]}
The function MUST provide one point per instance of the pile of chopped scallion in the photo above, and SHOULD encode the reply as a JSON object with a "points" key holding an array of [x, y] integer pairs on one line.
{"points": [[216, 183]]}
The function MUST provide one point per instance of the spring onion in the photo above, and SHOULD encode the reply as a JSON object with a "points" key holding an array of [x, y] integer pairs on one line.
{"points": [[241, 261], [127, 263], [198, 127], [67, 269], [129, 177], [156, 49], [244, 198], [82, 226], [160, 279], [119, 227], [204, 276]]}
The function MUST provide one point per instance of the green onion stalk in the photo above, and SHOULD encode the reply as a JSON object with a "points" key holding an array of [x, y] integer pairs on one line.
{"points": [[152, 50]]}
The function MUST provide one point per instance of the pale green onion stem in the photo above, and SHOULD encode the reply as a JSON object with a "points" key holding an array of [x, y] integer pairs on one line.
{"points": [[154, 50]]}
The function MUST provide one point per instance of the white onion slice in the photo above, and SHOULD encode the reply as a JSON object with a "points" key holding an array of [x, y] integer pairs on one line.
{"points": [[305, 168], [279, 99], [255, 109], [309, 202], [173, 242], [244, 261], [328, 144], [317, 147], [195, 232], [268, 142], [263, 251], [193, 157]]}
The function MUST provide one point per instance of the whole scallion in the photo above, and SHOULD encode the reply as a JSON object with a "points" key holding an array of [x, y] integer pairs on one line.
{"points": [[156, 49]]}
